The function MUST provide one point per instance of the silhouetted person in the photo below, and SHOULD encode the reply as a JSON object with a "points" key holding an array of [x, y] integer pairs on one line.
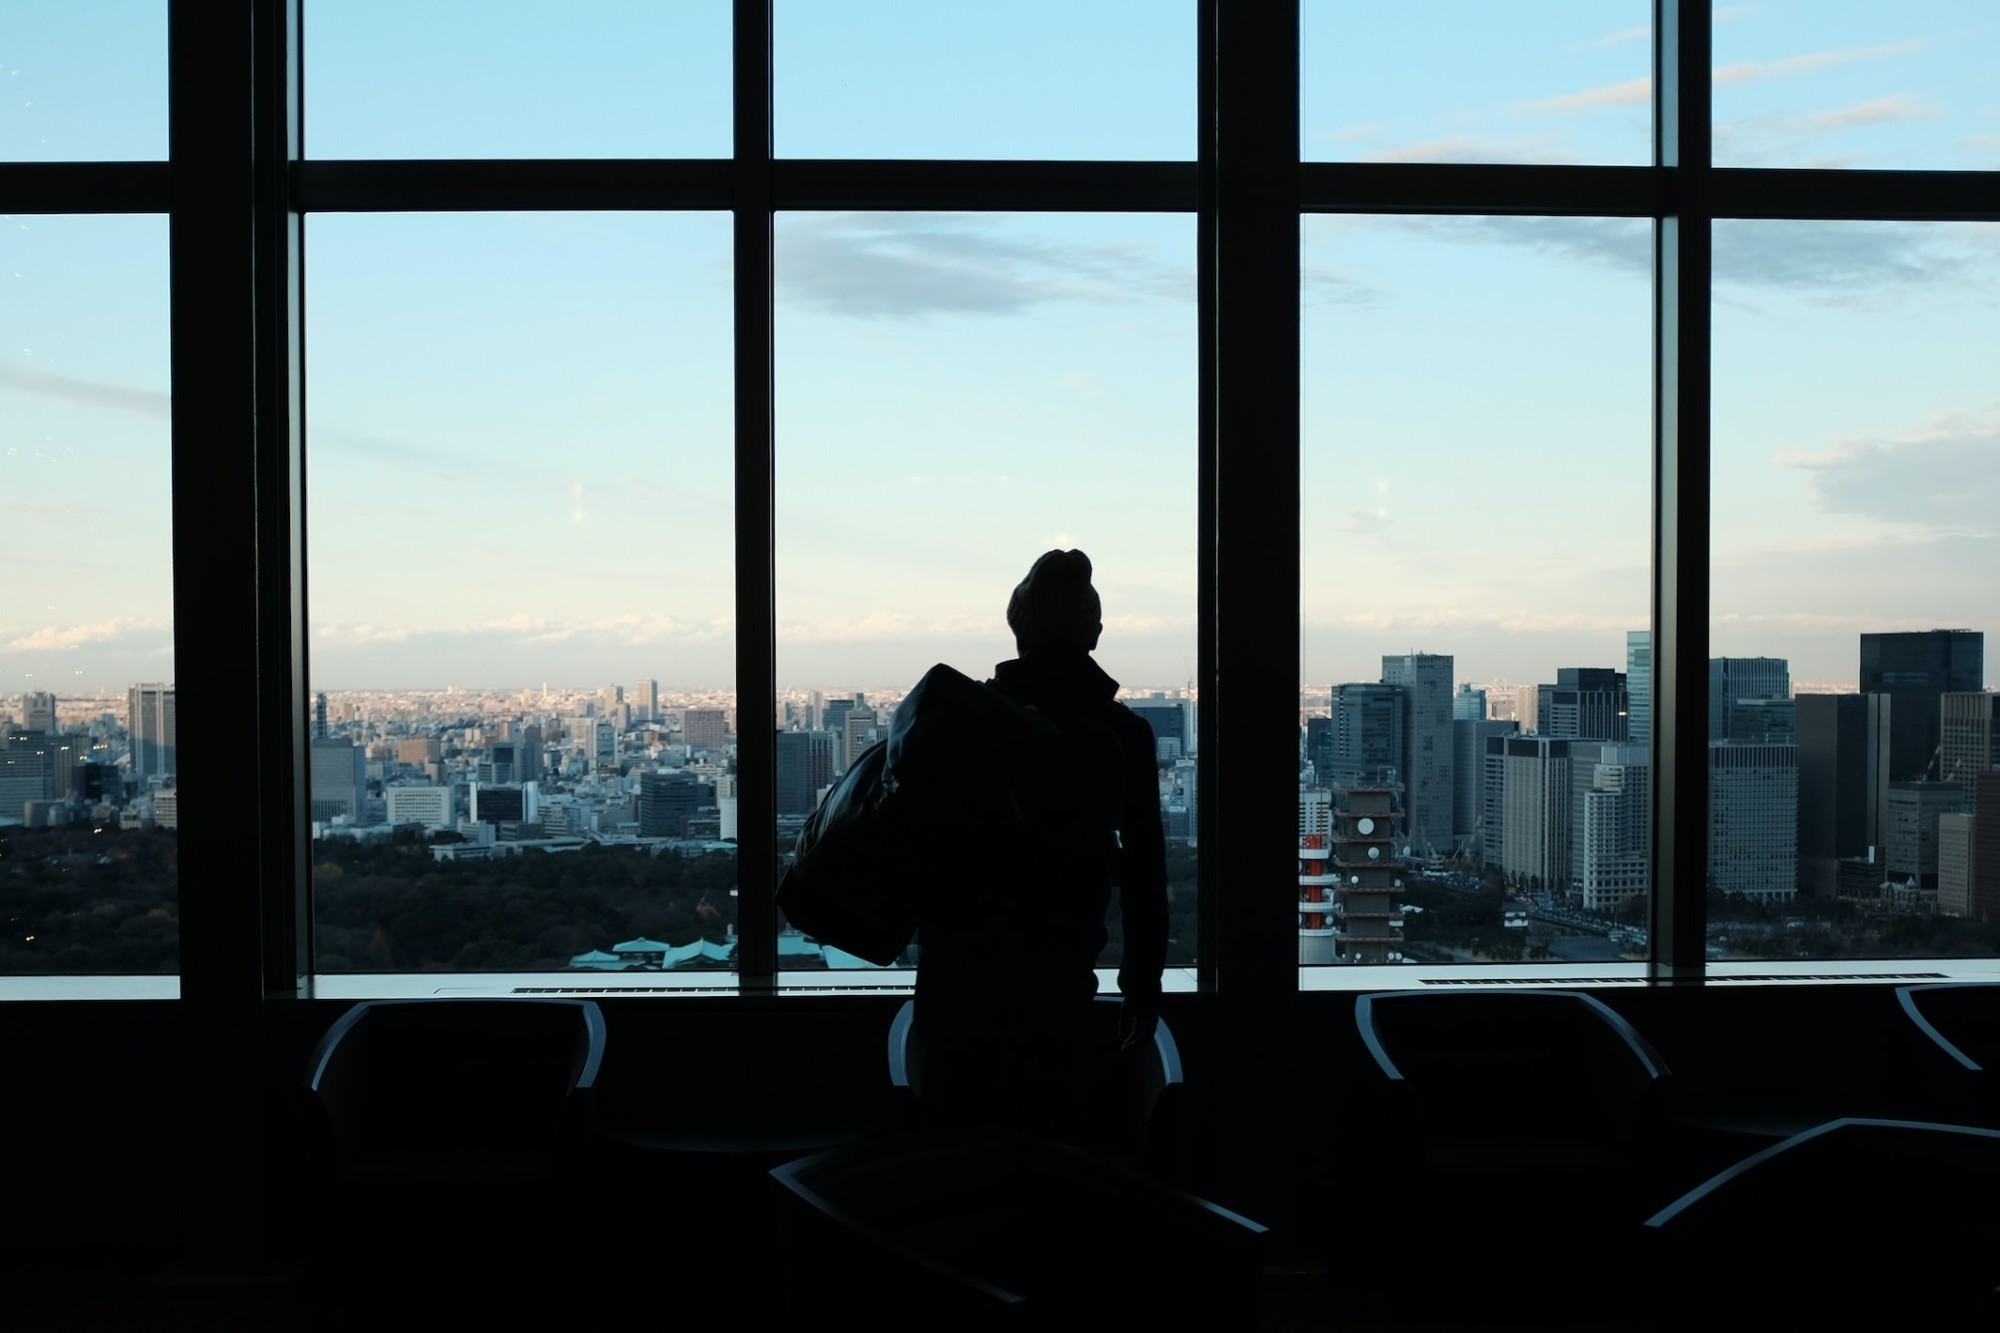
{"points": [[1007, 976]]}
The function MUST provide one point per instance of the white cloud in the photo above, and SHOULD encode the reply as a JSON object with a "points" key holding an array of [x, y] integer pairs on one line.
{"points": [[1633, 92], [1893, 109], [1469, 148], [116, 629]]}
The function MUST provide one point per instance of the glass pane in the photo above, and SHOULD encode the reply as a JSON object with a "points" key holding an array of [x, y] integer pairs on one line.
{"points": [[89, 813], [521, 591], [1472, 81], [1805, 83], [1475, 550], [83, 81], [466, 78], [955, 396], [1855, 511], [1031, 79]]}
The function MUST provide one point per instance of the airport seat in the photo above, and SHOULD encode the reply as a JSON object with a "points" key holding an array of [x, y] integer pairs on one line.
{"points": [[1854, 1223], [983, 1228]]}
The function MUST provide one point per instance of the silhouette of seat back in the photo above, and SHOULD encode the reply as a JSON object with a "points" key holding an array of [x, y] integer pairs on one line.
{"points": [[1529, 1066], [1802, 1207], [988, 1229], [1961, 1017], [1139, 1111], [446, 1087]]}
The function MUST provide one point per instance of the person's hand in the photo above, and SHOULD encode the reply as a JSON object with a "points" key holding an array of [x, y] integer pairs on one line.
{"points": [[1136, 1021]]}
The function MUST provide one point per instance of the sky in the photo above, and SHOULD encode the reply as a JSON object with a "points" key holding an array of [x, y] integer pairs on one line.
{"points": [[519, 424]]}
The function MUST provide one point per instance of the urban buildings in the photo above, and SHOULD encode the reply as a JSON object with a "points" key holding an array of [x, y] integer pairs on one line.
{"points": [[1915, 670], [1585, 703], [1968, 738], [150, 721], [1169, 720], [1741, 695], [1528, 810], [1367, 869], [1426, 681], [339, 774], [1610, 823], [1842, 741], [706, 729], [1753, 820], [1368, 733], [1639, 686], [805, 765]]}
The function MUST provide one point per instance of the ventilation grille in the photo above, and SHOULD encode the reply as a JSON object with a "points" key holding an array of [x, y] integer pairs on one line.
{"points": [[1757, 978]]}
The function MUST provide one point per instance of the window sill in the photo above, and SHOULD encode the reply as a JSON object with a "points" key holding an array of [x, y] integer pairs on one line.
{"points": [[90, 988]]}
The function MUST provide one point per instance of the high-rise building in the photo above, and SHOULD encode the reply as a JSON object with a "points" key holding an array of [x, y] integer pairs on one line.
{"points": [[1737, 681], [644, 699], [1468, 776], [1911, 843], [1916, 669], [1426, 679], [38, 712], [1469, 704], [1528, 791], [1169, 720], [339, 778], [1365, 735], [1954, 886], [706, 729], [1753, 819], [24, 771], [1968, 738], [419, 751], [428, 806], [1610, 836], [1319, 746], [1841, 743], [1585, 703], [859, 726], [667, 801], [805, 764], [1985, 905], [603, 747], [149, 719], [1639, 686]]}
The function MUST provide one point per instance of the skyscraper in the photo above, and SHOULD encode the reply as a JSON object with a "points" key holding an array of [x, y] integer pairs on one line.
{"points": [[149, 719], [1753, 819], [1840, 768], [1468, 772], [668, 800], [1737, 681], [1426, 680], [1639, 686], [1585, 703], [1968, 738], [1915, 670], [1169, 720], [1365, 742], [1910, 839], [1469, 704], [805, 764], [706, 729], [38, 713], [1613, 819], [1529, 794], [339, 778]]}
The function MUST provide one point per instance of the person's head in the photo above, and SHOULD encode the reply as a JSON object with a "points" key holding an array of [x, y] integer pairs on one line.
{"points": [[1055, 606]]}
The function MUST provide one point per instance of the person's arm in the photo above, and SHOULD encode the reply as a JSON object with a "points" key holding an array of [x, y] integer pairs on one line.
{"points": [[1142, 888]]}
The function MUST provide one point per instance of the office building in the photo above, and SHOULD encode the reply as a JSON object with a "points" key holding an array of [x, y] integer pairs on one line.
{"points": [[1639, 686], [1842, 743], [38, 712], [339, 774], [667, 801], [1915, 670], [428, 806], [805, 765], [1954, 885], [1968, 738], [1426, 680], [1169, 720], [1610, 822], [644, 701], [860, 730], [498, 805], [1366, 734], [149, 720], [1753, 820], [1585, 703], [1528, 798], [1318, 746], [1910, 852], [1468, 776], [419, 751], [1985, 896], [1469, 704], [1737, 682], [706, 729]]}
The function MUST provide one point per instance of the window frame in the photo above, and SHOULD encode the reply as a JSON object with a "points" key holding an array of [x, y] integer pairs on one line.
{"points": [[240, 400]]}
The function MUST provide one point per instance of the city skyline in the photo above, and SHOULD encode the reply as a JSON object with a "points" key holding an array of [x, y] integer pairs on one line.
{"points": [[520, 432]]}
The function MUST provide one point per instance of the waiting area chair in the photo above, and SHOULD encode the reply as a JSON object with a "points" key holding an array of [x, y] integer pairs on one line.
{"points": [[1141, 1111], [1854, 1223], [979, 1229]]}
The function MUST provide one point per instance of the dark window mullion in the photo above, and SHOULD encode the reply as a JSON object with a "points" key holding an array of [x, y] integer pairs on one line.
{"points": [[1478, 188], [756, 611], [1682, 264], [512, 184], [86, 187]]}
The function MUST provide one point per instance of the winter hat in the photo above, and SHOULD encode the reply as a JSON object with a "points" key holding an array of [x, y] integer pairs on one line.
{"points": [[1055, 606]]}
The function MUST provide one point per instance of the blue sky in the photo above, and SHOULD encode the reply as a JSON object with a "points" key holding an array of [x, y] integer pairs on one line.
{"points": [[520, 423]]}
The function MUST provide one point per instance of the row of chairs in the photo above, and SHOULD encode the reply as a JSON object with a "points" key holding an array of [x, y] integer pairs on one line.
{"points": [[1501, 1122]]}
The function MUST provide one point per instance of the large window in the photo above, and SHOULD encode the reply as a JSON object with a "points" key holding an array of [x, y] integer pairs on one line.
{"points": [[555, 392]]}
